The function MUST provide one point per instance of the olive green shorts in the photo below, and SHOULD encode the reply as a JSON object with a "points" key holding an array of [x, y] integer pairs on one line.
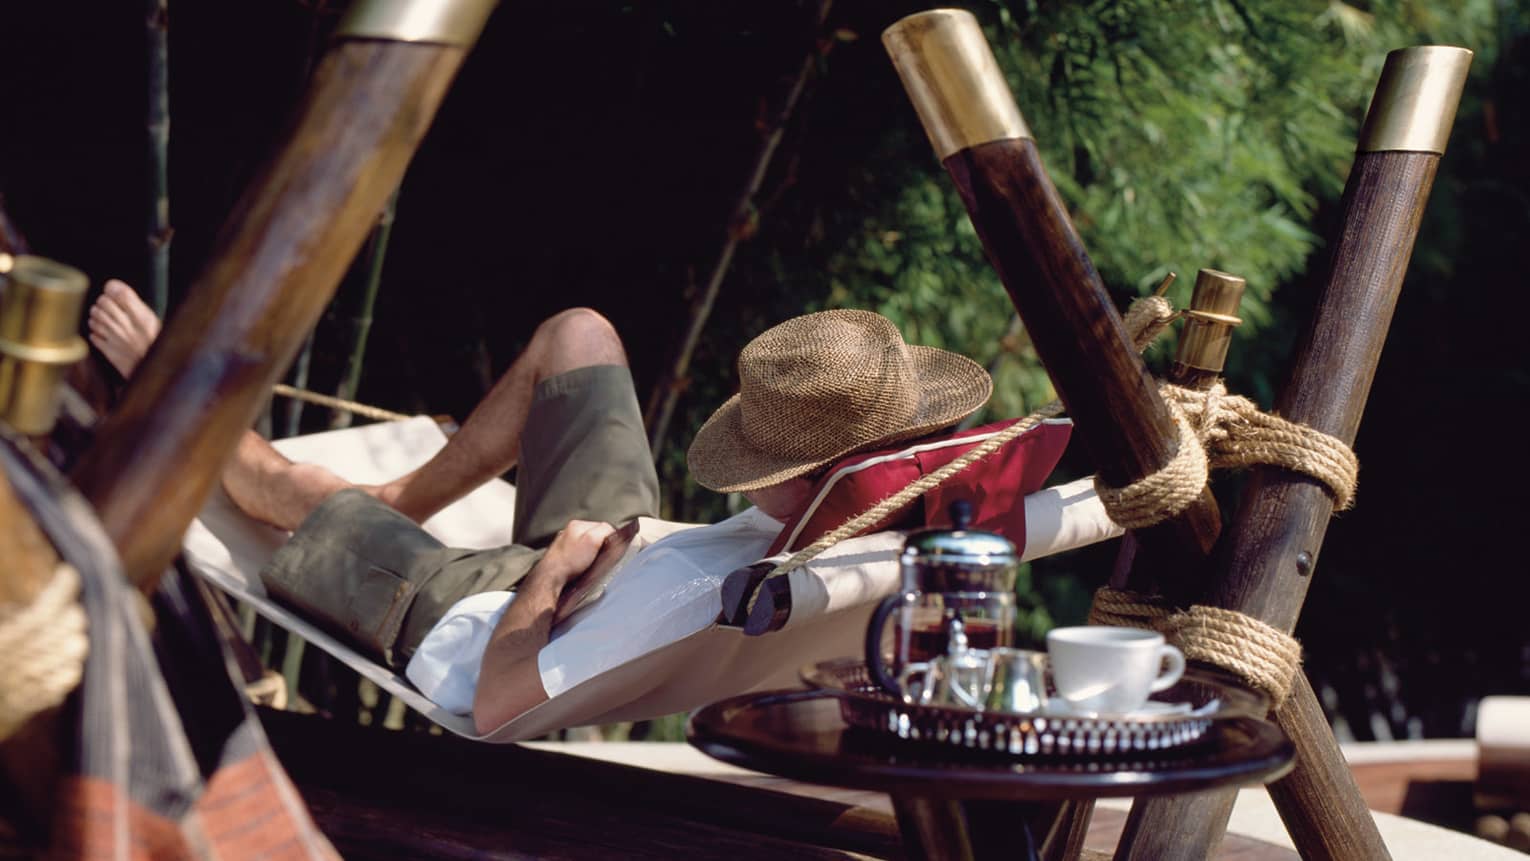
{"points": [[373, 576]]}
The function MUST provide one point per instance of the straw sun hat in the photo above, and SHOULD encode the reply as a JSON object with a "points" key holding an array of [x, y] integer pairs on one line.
{"points": [[818, 387]]}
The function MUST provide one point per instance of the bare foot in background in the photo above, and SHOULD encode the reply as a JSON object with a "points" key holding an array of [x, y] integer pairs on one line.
{"points": [[122, 327]]}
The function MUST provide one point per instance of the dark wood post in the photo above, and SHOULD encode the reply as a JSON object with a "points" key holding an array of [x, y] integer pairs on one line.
{"points": [[277, 263], [971, 117], [1266, 562]]}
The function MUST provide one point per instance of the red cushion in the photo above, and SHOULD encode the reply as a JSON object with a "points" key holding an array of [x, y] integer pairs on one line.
{"points": [[996, 485]]}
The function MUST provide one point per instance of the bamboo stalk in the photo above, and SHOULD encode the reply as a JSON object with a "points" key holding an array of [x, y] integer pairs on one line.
{"points": [[276, 266], [297, 378], [741, 226], [361, 324], [157, 27]]}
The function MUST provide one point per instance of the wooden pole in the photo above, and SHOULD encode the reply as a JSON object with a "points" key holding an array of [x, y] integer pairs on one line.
{"points": [[275, 267], [26, 555], [967, 109], [1267, 561]]}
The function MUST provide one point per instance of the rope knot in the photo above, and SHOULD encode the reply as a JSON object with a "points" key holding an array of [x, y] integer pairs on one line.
{"points": [[1217, 430], [1260, 654], [42, 650]]}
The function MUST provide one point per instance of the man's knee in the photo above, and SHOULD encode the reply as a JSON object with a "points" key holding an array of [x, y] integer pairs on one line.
{"points": [[577, 338]]}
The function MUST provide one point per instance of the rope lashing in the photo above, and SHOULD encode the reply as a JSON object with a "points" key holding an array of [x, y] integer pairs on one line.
{"points": [[1126, 609], [1236, 433], [1146, 318], [42, 650], [1160, 495], [1217, 431], [1262, 655]]}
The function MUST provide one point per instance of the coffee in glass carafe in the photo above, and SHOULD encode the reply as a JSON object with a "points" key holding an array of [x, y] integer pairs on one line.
{"points": [[958, 573]]}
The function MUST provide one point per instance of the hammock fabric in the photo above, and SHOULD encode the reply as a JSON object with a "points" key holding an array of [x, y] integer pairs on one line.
{"points": [[833, 595]]}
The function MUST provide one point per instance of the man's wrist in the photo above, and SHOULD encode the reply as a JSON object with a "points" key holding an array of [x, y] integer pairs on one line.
{"points": [[553, 571]]}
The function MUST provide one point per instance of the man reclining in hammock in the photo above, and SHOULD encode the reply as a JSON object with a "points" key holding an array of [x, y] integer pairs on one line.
{"points": [[813, 390]]}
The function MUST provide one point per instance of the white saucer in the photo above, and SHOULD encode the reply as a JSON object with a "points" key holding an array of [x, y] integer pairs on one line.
{"points": [[1150, 709]]}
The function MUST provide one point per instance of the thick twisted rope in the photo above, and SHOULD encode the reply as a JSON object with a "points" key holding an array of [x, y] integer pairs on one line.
{"points": [[42, 650], [1216, 431], [1146, 318], [1126, 609], [1236, 433], [1262, 655], [1160, 495]]}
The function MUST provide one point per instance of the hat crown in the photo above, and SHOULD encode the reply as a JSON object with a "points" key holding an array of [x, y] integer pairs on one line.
{"points": [[846, 372], [823, 386]]}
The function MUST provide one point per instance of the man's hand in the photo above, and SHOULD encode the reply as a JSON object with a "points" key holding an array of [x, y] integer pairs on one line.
{"points": [[509, 681], [573, 550]]}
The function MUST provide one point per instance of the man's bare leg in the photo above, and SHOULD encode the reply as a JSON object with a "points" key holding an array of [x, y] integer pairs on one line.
{"points": [[269, 487], [489, 442], [260, 480]]}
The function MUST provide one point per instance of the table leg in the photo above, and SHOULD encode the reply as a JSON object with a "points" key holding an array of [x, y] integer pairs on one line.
{"points": [[934, 829], [1064, 840], [938, 829], [1007, 829]]}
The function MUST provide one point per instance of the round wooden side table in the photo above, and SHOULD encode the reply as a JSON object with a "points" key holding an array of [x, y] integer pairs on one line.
{"points": [[955, 803]]}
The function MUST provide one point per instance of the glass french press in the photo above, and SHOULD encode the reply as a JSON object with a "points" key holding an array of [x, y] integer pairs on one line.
{"points": [[956, 606]]}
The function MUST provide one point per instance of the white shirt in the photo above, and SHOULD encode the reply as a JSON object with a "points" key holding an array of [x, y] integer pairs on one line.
{"points": [[665, 592]]}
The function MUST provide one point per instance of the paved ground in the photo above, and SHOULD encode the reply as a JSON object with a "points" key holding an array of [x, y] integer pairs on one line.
{"points": [[1413, 786]]}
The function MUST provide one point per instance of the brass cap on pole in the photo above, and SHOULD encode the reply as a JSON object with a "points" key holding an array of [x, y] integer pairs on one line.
{"points": [[953, 79], [1209, 322], [443, 22], [39, 319], [1415, 101]]}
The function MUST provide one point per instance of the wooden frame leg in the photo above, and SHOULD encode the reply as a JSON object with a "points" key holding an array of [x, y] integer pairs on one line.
{"points": [[1319, 802], [943, 829], [1065, 840], [933, 829]]}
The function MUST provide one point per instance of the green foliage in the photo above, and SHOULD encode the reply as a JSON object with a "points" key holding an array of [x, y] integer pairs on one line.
{"points": [[1182, 135]]}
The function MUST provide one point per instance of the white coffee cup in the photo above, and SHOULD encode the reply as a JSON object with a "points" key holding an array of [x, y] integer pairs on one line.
{"points": [[1101, 668]]}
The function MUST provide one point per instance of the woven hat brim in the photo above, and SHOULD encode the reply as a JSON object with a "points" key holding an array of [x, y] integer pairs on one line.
{"points": [[951, 387]]}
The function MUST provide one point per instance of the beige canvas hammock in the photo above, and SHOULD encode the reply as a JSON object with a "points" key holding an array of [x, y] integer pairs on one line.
{"points": [[832, 595]]}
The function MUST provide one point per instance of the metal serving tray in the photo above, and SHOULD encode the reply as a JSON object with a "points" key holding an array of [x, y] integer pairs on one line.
{"points": [[1050, 732]]}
